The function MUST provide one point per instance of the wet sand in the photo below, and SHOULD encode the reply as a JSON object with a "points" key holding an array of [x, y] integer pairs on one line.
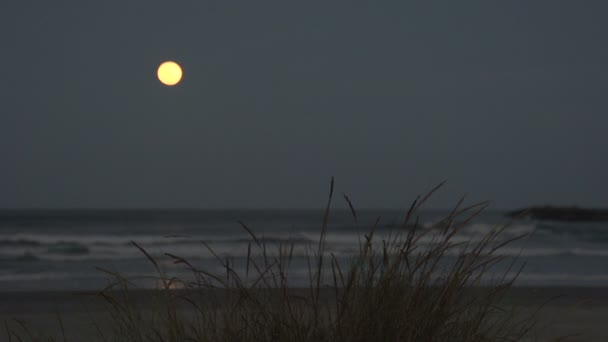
{"points": [[567, 313]]}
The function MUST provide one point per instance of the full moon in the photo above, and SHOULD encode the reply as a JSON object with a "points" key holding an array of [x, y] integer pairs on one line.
{"points": [[169, 73]]}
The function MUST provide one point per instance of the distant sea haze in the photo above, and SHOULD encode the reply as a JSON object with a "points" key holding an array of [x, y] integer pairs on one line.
{"points": [[60, 250]]}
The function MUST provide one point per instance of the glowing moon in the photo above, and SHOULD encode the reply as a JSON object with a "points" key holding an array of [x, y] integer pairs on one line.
{"points": [[169, 73]]}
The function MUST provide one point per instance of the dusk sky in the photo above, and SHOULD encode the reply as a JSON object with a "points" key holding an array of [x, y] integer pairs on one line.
{"points": [[507, 100]]}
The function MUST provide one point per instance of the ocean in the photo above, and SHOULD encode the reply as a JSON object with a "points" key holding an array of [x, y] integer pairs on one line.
{"points": [[64, 249]]}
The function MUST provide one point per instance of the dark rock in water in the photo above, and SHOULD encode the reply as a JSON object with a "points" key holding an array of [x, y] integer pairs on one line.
{"points": [[561, 213], [68, 248], [19, 242], [28, 257]]}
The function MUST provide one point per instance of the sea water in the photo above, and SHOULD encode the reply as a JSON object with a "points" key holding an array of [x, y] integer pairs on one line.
{"points": [[65, 250]]}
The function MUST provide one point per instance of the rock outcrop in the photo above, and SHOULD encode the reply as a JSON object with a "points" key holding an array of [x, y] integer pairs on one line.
{"points": [[561, 213]]}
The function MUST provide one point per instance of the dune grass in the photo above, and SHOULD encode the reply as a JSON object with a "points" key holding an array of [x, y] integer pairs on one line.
{"points": [[392, 290]]}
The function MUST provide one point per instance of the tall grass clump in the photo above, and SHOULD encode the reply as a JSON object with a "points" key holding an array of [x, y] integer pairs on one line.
{"points": [[392, 289]]}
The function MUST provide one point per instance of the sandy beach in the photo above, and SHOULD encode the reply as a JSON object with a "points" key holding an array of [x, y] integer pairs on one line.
{"points": [[567, 313]]}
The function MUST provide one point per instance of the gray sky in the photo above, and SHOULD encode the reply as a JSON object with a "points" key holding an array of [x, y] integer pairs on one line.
{"points": [[504, 99]]}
